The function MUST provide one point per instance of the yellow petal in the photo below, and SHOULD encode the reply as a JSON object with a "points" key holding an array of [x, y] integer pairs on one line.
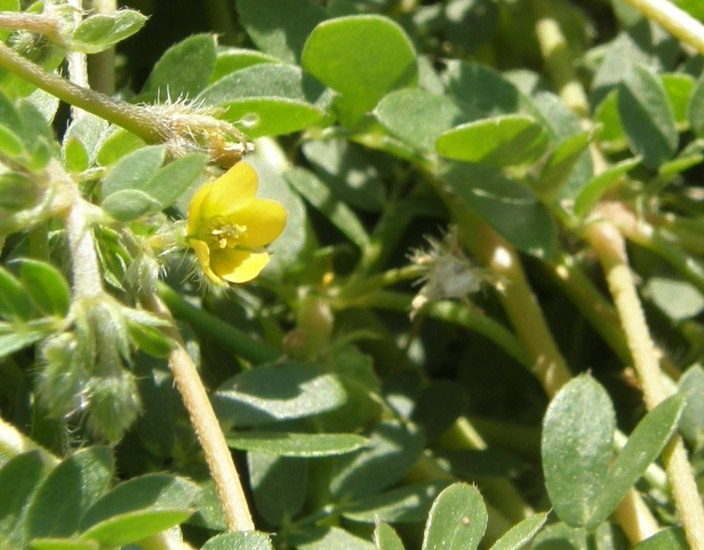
{"points": [[203, 255], [264, 219], [218, 198], [238, 266]]}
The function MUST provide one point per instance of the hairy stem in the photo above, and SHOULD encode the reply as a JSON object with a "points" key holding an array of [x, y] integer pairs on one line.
{"points": [[137, 120], [610, 247], [208, 431]]}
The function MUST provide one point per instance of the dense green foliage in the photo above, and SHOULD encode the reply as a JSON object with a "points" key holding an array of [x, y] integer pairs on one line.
{"points": [[444, 350]]}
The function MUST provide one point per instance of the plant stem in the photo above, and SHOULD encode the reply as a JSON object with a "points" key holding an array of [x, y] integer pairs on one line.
{"points": [[246, 347], [449, 312], [610, 247], [677, 22], [207, 428], [519, 303], [135, 119], [558, 57], [102, 64], [47, 25]]}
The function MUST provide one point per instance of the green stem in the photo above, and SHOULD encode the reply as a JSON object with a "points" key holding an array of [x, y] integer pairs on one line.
{"points": [[677, 22], [137, 120], [226, 335], [519, 302], [610, 247], [450, 312], [591, 303]]}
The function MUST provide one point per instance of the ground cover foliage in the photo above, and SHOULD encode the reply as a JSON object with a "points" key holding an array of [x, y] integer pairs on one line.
{"points": [[480, 327]]}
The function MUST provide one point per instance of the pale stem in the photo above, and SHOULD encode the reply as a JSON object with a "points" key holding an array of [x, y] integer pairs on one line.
{"points": [[47, 25], [77, 65], [609, 245], [556, 52], [208, 431], [677, 22], [85, 267]]}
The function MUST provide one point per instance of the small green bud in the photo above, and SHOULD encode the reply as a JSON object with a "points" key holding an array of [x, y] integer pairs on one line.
{"points": [[63, 381], [114, 404]]}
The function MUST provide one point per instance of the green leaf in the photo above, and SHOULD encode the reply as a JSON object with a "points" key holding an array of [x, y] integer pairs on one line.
{"points": [[457, 520], [277, 392], [596, 187], [353, 173], [71, 488], [19, 478], [184, 70], [117, 145], [101, 31], [513, 210], [81, 141], [385, 538], [695, 110], [644, 445], [691, 386], [393, 449], [129, 204], [561, 162], [267, 99], [578, 432], [132, 527], [340, 215], [175, 178], [151, 340], [18, 191], [63, 544], [230, 60], [672, 538], [243, 540], [504, 140], [407, 504], [135, 170], [46, 286], [280, 27], [520, 534], [327, 538], [679, 88], [10, 143], [611, 137], [279, 486], [297, 444], [15, 303], [75, 155], [647, 117], [166, 497], [362, 58], [10, 343], [481, 92], [678, 299], [418, 117]]}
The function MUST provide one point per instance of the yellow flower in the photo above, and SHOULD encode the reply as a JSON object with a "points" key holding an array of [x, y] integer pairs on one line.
{"points": [[228, 226]]}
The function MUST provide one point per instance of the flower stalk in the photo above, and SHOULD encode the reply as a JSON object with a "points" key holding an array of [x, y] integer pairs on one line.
{"points": [[676, 21]]}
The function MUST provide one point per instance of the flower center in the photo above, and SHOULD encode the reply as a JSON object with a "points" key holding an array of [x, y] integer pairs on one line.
{"points": [[225, 235]]}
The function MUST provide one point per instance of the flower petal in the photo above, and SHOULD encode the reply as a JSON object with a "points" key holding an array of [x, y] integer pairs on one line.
{"points": [[203, 254], [264, 219], [238, 266], [220, 197]]}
